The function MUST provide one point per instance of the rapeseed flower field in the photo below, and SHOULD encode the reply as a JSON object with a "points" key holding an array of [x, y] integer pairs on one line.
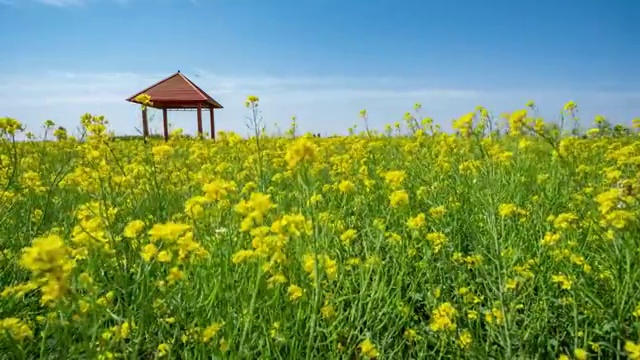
{"points": [[509, 239]]}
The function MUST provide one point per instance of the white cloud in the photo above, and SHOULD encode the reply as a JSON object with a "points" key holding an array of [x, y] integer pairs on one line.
{"points": [[322, 104], [62, 3], [67, 3]]}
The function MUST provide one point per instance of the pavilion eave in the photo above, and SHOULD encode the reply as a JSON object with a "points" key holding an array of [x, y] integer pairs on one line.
{"points": [[190, 105]]}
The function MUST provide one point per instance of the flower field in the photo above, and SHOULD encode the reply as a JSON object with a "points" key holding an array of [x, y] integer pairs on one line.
{"points": [[505, 240]]}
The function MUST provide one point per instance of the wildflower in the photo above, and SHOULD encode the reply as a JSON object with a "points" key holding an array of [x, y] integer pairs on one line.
{"points": [[465, 339], [416, 222], [175, 274], [330, 266], [148, 252], [133, 228], [169, 231], [563, 280], [618, 218], [395, 178], [254, 210], [217, 190], [302, 150], [398, 198], [443, 318], [276, 279], [570, 106], [315, 199], [495, 315], [632, 349], [437, 212], [163, 349], [16, 328], [511, 284], [164, 256], [580, 354], [348, 236], [346, 187], [295, 292], [436, 239], [274, 331], [223, 345], [368, 349], [161, 152], [411, 335], [517, 121], [193, 207], [242, 256], [328, 311], [550, 239], [565, 220], [506, 210], [48, 260], [464, 125], [210, 331]]}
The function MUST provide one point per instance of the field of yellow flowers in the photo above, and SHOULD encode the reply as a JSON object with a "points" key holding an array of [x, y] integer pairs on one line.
{"points": [[516, 241]]}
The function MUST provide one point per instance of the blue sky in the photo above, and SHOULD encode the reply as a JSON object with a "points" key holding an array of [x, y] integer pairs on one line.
{"points": [[320, 60]]}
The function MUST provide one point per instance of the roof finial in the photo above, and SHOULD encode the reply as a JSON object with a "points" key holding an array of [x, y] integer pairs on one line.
{"points": [[178, 71]]}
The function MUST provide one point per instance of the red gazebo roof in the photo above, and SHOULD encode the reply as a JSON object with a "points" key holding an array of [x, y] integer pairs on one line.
{"points": [[177, 92]]}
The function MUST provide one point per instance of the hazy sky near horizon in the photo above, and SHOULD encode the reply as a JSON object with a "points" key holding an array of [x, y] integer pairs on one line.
{"points": [[322, 61]]}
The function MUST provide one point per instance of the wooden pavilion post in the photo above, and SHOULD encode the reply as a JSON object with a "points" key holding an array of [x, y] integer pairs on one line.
{"points": [[145, 123], [199, 119], [213, 126], [165, 124]]}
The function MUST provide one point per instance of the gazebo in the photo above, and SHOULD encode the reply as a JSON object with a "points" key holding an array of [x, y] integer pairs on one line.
{"points": [[179, 93]]}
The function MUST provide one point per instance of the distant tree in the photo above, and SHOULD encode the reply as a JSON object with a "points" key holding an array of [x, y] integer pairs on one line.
{"points": [[620, 130]]}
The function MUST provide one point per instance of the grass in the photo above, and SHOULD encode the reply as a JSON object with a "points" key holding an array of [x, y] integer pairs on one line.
{"points": [[518, 244]]}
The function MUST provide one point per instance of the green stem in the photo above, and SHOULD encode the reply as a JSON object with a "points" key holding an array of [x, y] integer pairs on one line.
{"points": [[251, 307]]}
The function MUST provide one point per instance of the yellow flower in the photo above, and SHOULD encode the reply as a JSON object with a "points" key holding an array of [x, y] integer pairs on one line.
{"points": [[580, 354], [398, 198], [295, 292], [506, 210], [210, 331], [565, 220], [175, 274], [443, 318], [169, 231], [348, 236], [417, 222], [437, 212], [163, 349], [395, 178], [346, 187], [465, 339], [148, 252], [436, 239], [632, 349], [302, 150], [570, 106], [164, 256], [563, 280], [368, 349], [16, 328], [328, 311], [134, 228], [411, 335]]}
